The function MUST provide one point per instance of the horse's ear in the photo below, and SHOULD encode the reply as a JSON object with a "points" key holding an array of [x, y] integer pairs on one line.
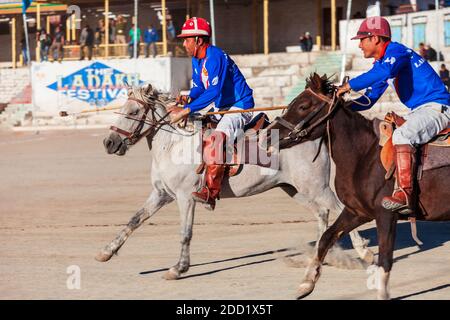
{"points": [[316, 82], [148, 89]]}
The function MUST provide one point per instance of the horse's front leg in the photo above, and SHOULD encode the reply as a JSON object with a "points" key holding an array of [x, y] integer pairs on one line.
{"points": [[386, 228], [156, 200], [329, 200], [186, 206], [344, 224]]}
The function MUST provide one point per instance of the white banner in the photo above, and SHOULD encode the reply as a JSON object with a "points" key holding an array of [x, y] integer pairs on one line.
{"points": [[77, 85]]}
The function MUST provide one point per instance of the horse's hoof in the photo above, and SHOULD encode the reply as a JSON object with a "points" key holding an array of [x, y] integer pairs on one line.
{"points": [[305, 289], [171, 275], [103, 257]]}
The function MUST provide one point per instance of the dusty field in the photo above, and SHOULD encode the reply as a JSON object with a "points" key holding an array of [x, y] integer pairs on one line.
{"points": [[62, 198]]}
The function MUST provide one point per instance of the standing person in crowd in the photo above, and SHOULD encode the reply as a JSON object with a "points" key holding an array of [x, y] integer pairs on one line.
{"points": [[150, 39], [44, 43], [171, 29], [23, 47], [86, 41], [444, 75], [112, 31], [306, 42], [57, 48], [99, 35], [132, 38], [121, 39]]}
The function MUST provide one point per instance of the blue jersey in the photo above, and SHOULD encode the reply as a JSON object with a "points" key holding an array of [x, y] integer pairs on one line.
{"points": [[217, 79], [414, 80]]}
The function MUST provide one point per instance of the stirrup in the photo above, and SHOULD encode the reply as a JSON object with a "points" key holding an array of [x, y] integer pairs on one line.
{"points": [[402, 209]]}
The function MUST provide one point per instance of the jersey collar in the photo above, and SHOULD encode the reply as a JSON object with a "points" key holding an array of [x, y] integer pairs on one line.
{"points": [[383, 52]]}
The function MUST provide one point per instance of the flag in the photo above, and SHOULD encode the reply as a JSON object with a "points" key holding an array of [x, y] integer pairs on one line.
{"points": [[25, 5]]}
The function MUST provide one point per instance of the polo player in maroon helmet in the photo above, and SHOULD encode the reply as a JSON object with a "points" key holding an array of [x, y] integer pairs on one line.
{"points": [[418, 87]]}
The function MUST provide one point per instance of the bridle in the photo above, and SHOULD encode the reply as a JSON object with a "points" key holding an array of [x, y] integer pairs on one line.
{"points": [[132, 138], [303, 128]]}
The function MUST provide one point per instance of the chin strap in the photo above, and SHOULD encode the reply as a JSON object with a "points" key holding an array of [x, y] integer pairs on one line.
{"points": [[196, 47]]}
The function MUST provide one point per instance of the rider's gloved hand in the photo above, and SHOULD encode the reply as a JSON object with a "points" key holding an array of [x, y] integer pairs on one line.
{"points": [[341, 90]]}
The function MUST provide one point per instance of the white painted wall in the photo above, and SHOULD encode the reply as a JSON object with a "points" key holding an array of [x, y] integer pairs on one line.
{"points": [[76, 93], [434, 29]]}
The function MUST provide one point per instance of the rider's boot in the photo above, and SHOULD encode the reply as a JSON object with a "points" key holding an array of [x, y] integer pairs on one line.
{"points": [[401, 199]]}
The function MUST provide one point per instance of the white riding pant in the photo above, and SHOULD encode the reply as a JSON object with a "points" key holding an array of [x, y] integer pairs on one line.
{"points": [[233, 124], [423, 123]]}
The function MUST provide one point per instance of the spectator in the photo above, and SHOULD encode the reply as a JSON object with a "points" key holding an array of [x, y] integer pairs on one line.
{"points": [[112, 31], [120, 34], [150, 39], [431, 53], [23, 46], [131, 43], [306, 42], [44, 43], [445, 76], [357, 15], [171, 30], [86, 41], [423, 51], [99, 35], [57, 47]]}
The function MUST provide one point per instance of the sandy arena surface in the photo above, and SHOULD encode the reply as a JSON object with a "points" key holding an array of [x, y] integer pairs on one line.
{"points": [[62, 198]]}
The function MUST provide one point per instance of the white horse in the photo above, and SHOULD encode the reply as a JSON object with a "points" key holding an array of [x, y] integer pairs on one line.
{"points": [[145, 115]]}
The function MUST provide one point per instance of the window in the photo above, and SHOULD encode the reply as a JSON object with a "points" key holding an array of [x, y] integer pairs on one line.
{"points": [[396, 33], [419, 34], [447, 32]]}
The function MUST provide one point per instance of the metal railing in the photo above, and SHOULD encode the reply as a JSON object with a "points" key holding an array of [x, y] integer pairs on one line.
{"points": [[118, 51]]}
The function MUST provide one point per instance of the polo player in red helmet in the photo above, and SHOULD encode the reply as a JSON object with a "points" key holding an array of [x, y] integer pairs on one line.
{"points": [[418, 87], [217, 83]]}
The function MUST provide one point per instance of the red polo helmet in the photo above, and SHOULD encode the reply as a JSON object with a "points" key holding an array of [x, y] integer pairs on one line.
{"points": [[195, 27], [373, 26]]}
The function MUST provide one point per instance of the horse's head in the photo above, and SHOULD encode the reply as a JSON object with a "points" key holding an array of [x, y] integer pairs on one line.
{"points": [[139, 117], [306, 114]]}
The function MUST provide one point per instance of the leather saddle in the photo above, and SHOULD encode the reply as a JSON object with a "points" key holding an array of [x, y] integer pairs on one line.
{"points": [[258, 122], [434, 154]]}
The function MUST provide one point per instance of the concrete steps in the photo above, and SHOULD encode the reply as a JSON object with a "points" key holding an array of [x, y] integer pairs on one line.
{"points": [[328, 63]]}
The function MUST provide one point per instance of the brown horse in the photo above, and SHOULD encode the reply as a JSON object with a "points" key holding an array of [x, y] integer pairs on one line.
{"points": [[360, 177]]}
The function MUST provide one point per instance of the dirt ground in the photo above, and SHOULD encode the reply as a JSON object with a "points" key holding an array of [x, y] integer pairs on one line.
{"points": [[62, 198]]}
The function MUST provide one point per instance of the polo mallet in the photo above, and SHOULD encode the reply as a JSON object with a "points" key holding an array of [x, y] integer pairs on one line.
{"points": [[66, 114]]}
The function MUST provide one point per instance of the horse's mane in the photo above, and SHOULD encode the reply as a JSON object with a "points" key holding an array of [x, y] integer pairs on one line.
{"points": [[150, 94], [323, 84], [320, 84]]}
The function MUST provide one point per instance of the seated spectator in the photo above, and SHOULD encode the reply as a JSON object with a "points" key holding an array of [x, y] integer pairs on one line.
{"points": [[431, 53], [357, 15], [423, 51], [445, 76]]}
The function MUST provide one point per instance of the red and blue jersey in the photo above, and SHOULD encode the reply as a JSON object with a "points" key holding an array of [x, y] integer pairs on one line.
{"points": [[413, 78], [217, 79]]}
